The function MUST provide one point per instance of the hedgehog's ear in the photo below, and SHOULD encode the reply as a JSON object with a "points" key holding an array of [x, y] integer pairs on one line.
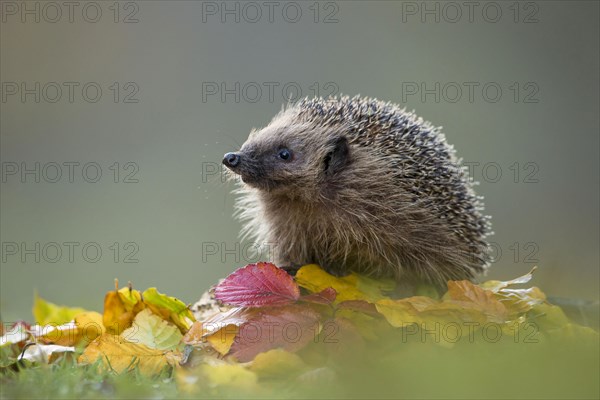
{"points": [[337, 158]]}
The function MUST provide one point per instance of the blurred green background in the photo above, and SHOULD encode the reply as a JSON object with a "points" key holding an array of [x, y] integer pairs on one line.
{"points": [[179, 82]]}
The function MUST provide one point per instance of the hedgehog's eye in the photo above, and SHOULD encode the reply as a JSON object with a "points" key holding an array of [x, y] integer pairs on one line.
{"points": [[285, 154]]}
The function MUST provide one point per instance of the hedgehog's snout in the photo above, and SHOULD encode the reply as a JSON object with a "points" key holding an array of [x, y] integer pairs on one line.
{"points": [[231, 160]]}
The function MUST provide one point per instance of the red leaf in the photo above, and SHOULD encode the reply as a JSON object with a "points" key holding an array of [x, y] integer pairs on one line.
{"points": [[325, 296], [257, 285], [289, 327]]}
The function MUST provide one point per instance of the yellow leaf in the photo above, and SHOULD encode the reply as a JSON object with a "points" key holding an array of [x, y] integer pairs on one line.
{"points": [[89, 326], [368, 326], [48, 313], [120, 355], [428, 313], [277, 362], [223, 338], [152, 331], [120, 307], [169, 308], [230, 376], [85, 328], [63, 335], [350, 287], [216, 374], [399, 313]]}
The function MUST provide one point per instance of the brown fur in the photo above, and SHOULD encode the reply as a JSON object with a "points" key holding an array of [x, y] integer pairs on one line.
{"points": [[370, 188]]}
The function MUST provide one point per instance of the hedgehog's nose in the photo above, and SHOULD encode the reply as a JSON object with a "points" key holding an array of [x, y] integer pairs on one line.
{"points": [[231, 160]]}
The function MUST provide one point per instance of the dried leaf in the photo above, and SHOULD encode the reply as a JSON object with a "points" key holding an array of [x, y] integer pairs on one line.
{"points": [[471, 296], [495, 286], [17, 333], [44, 353]]}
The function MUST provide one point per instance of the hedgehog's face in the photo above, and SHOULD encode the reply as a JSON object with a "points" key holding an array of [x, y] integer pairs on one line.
{"points": [[290, 159]]}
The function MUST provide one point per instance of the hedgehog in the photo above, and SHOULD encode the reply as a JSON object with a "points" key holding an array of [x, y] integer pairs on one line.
{"points": [[360, 185]]}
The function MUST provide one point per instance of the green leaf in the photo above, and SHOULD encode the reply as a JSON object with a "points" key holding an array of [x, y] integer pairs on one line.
{"points": [[169, 308], [48, 313]]}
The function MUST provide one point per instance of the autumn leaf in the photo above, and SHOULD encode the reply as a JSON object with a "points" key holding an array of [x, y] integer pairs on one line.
{"points": [[195, 335], [325, 296], [399, 313], [89, 326], [152, 331], [17, 333], [288, 327], [428, 313], [200, 330], [230, 375], [469, 295], [350, 287], [48, 313], [358, 305], [517, 301], [222, 340], [215, 374], [119, 355], [370, 327], [271, 332], [277, 363], [495, 286], [120, 308], [257, 285], [373, 288], [340, 336], [169, 308], [44, 353]]}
